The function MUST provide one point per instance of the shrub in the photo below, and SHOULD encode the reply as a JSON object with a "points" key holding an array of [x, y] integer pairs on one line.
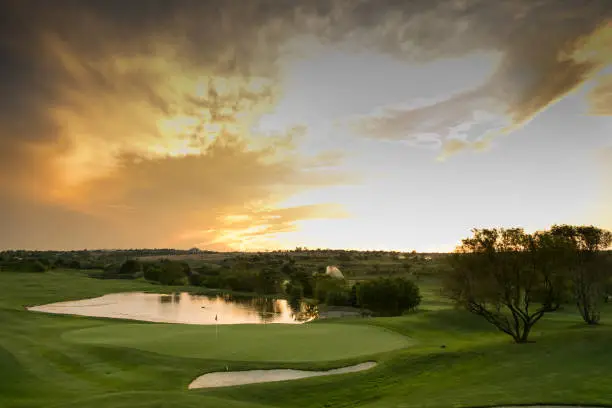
{"points": [[152, 272], [325, 285], [130, 267], [172, 273], [389, 297], [338, 298]]}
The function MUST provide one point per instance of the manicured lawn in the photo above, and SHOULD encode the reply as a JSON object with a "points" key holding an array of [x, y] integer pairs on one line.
{"points": [[55, 361], [271, 342]]}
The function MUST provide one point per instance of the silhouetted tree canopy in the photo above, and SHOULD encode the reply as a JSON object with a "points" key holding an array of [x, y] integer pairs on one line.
{"points": [[389, 296], [508, 277], [588, 266]]}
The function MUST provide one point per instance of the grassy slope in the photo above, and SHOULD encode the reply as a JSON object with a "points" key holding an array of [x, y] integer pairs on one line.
{"points": [[40, 367]]}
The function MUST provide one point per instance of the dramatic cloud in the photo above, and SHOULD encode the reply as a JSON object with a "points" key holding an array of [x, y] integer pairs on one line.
{"points": [[150, 122], [129, 136], [600, 98], [549, 47]]}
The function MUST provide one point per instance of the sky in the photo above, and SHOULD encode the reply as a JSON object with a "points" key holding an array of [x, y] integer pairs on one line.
{"points": [[269, 124]]}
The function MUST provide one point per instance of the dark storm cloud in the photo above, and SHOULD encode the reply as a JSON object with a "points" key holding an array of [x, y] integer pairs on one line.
{"points": [[76, 76], [537, 39]]}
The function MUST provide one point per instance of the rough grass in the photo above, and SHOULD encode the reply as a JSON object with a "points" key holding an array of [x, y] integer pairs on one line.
{"points": [[42, 366]]}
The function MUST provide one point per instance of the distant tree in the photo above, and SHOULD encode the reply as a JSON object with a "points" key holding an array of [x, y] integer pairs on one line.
{"points": [[338, 297], [589, 270], [389, 296], [295, 294], [324, 285], [151, 271], [269, 280], [508, 277], [353, 299], [298, 276], [111, 269], [195, 279], [172, 273], [130, 267]]}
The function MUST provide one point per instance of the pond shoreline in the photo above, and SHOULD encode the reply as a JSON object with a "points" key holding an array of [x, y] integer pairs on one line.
{"points": [[183, 308]]}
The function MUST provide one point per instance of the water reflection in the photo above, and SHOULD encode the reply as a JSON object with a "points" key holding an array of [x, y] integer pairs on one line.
{"points": [[189, 308]]}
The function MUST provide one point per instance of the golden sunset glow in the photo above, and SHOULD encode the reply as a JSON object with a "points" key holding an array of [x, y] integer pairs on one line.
{"points": [[303, 129]]}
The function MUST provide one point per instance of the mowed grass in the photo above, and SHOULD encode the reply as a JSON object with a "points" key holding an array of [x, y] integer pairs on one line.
{"points": [[55, 361], [271, 342]]}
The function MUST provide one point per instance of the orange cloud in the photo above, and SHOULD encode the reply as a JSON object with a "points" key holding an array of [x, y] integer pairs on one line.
{"points": [[136, 140], [600, 98], [132, 127]]}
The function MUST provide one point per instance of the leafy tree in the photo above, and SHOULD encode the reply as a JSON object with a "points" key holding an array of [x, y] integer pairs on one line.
{"points": [[74, 264], [353, 299], [326, 284], [389, 296], [295, 293], [508, 277], [151, 271], [339, 297], [130, 267], [299, 276], [172, 273], [589, 270]]}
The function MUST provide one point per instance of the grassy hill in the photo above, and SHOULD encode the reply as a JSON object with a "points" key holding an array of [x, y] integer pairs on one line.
{"points": [[65, 361]]}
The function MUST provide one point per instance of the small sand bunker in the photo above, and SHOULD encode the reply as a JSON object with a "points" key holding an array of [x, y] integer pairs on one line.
{"points": [[227, 379]]}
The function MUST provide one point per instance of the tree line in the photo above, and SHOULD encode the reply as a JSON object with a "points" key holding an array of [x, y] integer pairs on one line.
{"points": [[512, 278]]}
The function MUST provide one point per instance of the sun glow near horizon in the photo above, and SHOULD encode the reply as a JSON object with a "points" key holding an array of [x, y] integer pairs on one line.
{"points": [[341, 128]]}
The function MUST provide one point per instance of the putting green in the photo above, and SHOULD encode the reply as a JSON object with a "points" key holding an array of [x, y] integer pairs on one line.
{"points": [[274, 342]]}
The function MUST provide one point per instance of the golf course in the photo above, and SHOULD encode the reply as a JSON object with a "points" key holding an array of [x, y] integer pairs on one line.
{"points": [[436, 356]]}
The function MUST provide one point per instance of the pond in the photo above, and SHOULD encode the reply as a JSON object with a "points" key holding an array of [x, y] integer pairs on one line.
{"points": [[187, 308]]}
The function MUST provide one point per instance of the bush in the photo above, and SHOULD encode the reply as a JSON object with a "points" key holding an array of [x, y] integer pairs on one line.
{"points": [[338, 298], [325, 285], [152, 272], [112, 269], [27, 265], [130, 267], [196, 279], [389, 297], [172, 273], [240, 281]]}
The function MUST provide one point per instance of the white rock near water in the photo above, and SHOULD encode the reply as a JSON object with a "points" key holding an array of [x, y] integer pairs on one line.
{"points": [[334, 272]]}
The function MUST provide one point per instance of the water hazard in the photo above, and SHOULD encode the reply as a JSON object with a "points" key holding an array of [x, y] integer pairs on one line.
{"points": [[187, 308]]}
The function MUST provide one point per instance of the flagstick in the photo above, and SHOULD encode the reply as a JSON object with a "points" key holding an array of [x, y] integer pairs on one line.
{"points": [[216, 328]]}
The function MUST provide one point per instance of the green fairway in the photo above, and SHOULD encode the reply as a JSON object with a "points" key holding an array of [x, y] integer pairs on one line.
{"points": [[56, 361], [272, 342]]}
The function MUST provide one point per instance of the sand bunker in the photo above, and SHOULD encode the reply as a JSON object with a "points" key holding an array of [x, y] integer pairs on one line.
{"points": [[227, 379]]}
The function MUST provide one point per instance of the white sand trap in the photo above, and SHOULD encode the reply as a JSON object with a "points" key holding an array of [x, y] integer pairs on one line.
{"points": [[227, 379]]}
